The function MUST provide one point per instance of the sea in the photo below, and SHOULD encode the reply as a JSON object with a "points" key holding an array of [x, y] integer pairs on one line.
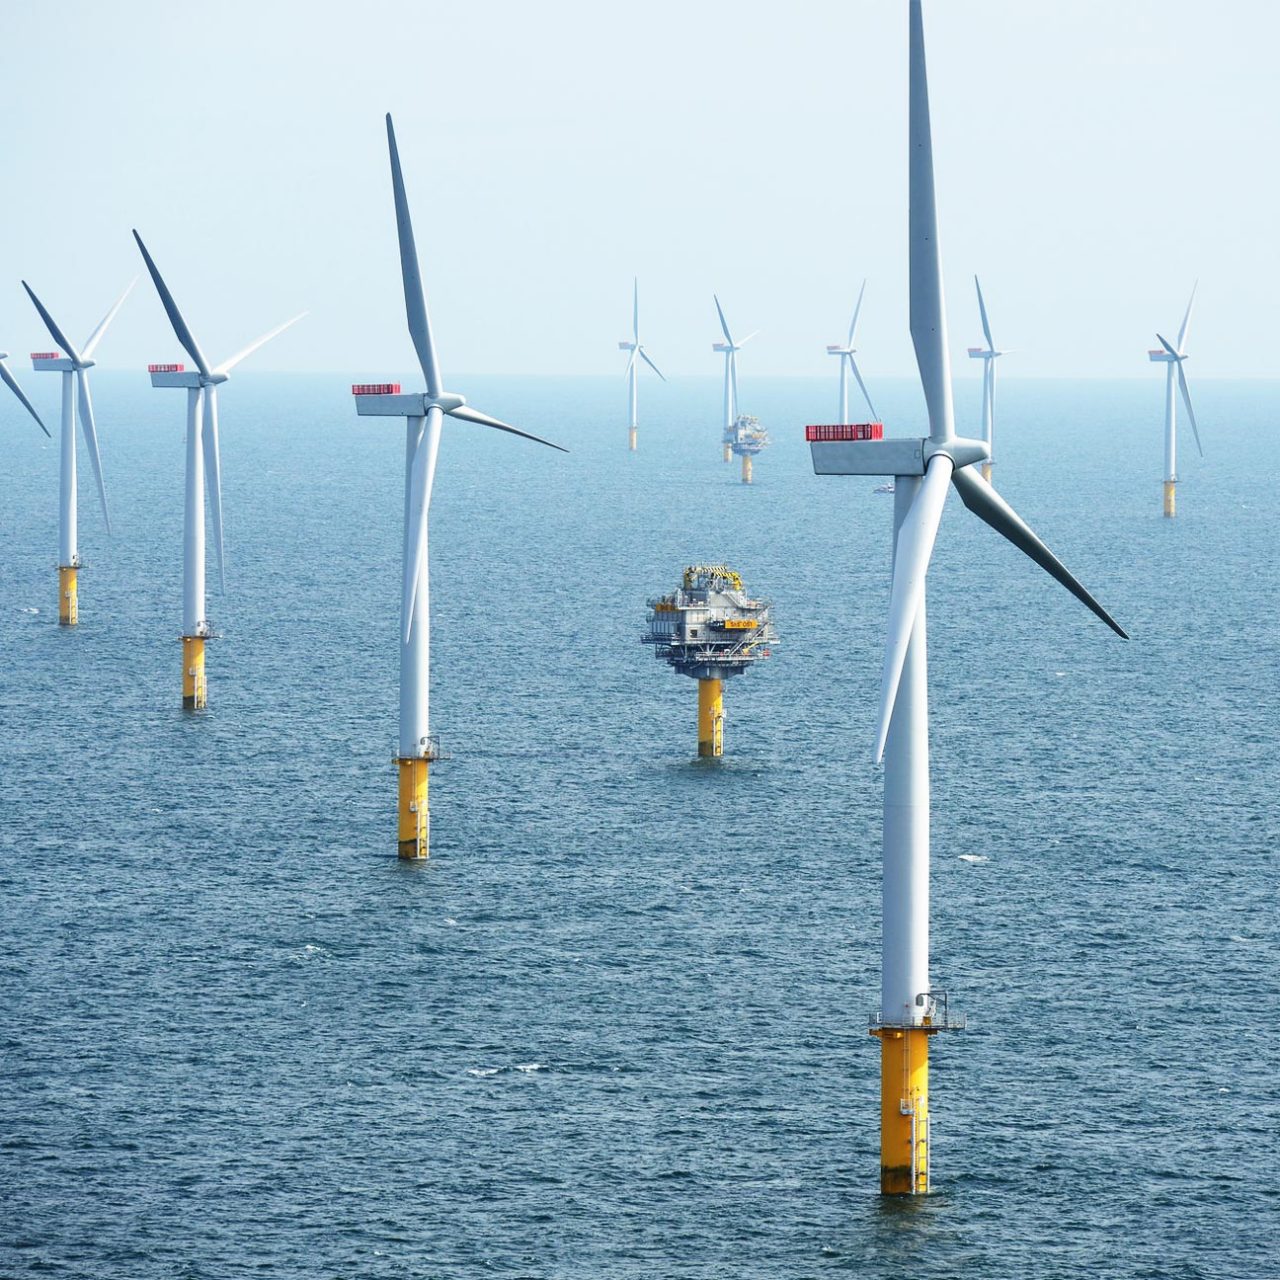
{"points": [[616, 1026]]}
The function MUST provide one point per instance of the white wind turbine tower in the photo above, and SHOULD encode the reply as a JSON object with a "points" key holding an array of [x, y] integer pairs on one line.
{"points": [[203, 469], [636, 347], [6, 376], [730, 350], [910, 1010], [1172, 357], [988, 355], [424, 415], [74, 367], [849, 365]]}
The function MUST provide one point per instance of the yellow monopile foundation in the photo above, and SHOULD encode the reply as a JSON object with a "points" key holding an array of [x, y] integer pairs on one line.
{"points": [[195, 693], [710, 718], [728, 453], [68, 596], [986, 472], [1170, 498], [746, 468], [414, 820], [631, 439], [904, 1110]]}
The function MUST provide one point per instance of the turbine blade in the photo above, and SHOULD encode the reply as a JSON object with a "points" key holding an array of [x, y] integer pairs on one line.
{"points": [[1186, 399], [853, 324], [184, 335], [12, 383], [982, 307], [227, 365], [755, 333], [928, 311], [468, 414], [96, 336], [853, 364], [989, 506], [654, 367], [1186, 319], [415, 303], [910, 565], [631, 360], [421, 479], [52, 325], [90, 432], [724, 324], [213, 475]]}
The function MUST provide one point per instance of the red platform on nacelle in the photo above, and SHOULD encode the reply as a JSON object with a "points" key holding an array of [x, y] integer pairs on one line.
{"points": [[845, 431]]}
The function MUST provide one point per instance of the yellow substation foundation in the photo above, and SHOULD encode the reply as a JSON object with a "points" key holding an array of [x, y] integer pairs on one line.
{"points": [[1170, 498], [710, 717], [746, 468], [904, 1110], [631, 439], [195, 692], [68, 596], [413, 826], [986, 472], [728, 453]]}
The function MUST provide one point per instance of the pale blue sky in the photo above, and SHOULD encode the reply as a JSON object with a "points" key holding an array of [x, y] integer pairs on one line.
{"points": [[1094, 157]]}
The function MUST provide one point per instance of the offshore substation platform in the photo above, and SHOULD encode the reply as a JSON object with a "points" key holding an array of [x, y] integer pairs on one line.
{"points": [[710, 628], [745, 438]]}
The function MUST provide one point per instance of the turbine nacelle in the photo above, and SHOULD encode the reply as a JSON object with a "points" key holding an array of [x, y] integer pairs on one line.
{"points": [[895, 457], [415, 404], [187, 378], [46, 363]]}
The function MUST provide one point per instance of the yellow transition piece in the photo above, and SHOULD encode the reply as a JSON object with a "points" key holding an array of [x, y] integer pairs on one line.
{"points": [[904, 1110], [195, 693], [746, 468], [631, 439], [710, 718], [1170, 498], [728, 453], [68, 596], [413, 818]]}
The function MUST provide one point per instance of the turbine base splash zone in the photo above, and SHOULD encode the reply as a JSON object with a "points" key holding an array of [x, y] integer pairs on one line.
{"points": [[68, 595], [413, 824], [195, 689]]}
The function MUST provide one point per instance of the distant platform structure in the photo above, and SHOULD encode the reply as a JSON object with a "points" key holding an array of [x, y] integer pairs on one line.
{"points": [[745, 439], [710, 628]]}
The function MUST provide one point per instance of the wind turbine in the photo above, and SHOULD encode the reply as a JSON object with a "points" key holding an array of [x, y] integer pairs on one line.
{"points": [[424, 416], [637, 349], [1172, 357], [6, 376], [988, 355], [924, 470], [730, 350], [849, 364], [74, 367], [204, 469]]}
